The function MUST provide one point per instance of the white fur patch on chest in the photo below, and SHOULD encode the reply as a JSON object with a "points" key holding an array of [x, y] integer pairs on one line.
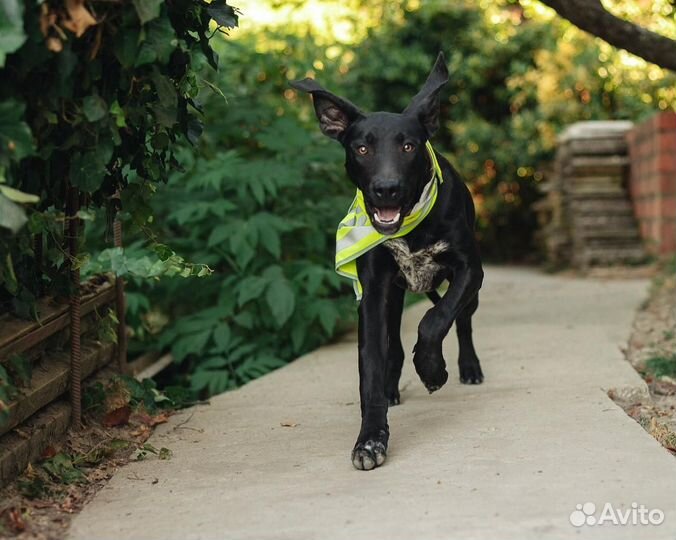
{"points": [[418, 267]]}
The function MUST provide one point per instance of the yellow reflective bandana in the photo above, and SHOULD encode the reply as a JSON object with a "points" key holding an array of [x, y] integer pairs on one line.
{"points": [[355, 235]]}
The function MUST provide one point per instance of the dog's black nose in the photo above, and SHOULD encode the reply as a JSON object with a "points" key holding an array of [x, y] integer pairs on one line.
{"points": [[386, 191]]}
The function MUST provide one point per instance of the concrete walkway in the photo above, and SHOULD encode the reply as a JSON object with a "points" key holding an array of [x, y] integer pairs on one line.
{"points": [[507, 459]]}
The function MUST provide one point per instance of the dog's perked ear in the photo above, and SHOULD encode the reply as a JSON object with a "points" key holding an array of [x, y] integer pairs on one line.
{"points": [[425, 104], [334, 113]]}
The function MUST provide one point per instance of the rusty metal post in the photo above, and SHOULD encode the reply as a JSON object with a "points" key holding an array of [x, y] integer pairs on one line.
{"points": [[120, 305], [72, 230]]}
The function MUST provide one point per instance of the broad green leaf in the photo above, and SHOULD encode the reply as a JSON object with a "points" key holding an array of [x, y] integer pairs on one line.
{"points": [[222, 336], [200, 379], [12, 216], [219, 234], [328, 316], [281, 300], [87, 171], [249, 288], [220, 382], [190, 344], [271, 242], [160, 41], [245, 320], [148, 10], [12, 35], [213, 362], [298, 333], [18, 196], [222, 13], [94, 108]]}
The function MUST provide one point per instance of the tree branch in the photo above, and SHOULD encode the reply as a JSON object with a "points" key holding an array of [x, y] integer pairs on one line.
{"points": [[590, 15]]}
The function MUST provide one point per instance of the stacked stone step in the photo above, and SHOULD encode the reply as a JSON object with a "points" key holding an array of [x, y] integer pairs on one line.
{"points": [[592, 164]]}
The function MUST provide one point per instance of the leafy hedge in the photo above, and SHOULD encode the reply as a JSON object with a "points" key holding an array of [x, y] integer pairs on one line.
{"points": [[95, 96], [258, 204]]}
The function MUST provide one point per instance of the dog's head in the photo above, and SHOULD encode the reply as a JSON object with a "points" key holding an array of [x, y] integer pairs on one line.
{"points": [[385, 154]]}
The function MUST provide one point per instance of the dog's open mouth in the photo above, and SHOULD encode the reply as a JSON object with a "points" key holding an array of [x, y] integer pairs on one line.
{"points": [[386, 219], [387, 216]]}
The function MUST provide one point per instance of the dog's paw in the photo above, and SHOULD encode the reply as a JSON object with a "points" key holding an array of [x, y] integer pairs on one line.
{"points": [[470, 373], [369, 454], [431, 369]]}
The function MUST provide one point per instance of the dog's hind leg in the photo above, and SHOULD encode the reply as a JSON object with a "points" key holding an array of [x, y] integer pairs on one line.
{"points": [[395, 351], [468, 362]]}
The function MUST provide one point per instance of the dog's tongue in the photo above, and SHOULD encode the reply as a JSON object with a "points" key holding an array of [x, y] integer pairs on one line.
{"points": [[387, 214]]}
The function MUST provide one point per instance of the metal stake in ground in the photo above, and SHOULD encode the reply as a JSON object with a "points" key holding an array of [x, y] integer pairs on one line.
{"points": [[72, 229]]}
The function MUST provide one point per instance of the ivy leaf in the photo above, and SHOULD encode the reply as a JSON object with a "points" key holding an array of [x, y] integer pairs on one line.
{"points": [[12, 35], [94, 108], [126, 46], [87, 169], [159, 43], [281, 300], [166, 110], [223, 14], [147, 10], [12, 216]]}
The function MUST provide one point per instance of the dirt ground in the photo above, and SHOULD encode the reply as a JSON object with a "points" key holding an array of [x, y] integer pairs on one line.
{"points": [[40, 504], [652, 352]]}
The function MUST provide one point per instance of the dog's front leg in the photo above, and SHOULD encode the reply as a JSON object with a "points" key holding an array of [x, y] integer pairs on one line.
{"points": [[376, 274], [428, 359]]}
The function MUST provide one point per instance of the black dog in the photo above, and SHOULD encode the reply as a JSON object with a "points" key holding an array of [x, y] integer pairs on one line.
{"points": [[386, 158]]}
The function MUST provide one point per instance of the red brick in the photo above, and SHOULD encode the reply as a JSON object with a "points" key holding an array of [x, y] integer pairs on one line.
{"points": [[667, 141], [668, 237], [666, 120], [666, 163], [667, 185], [668, 208]]}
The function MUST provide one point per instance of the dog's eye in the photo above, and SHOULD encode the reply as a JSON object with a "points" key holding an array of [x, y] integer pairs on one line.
{"points": [[362, 150], [408, 147]]}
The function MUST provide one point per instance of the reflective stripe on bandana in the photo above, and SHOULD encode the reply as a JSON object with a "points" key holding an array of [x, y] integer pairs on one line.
{"points": [[355, 235]]}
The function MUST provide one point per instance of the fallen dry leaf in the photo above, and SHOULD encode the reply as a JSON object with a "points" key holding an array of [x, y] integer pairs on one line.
{"points": [[48, 452], [149, 420], [80, 18], [117, 417], [142, 432], [15, 520], [288, 424]]}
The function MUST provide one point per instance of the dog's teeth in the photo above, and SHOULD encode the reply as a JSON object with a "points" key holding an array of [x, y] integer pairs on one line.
{"points": [[387, 221]]}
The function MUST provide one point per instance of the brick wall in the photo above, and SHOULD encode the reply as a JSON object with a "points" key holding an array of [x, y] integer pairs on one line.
{"points": [[652, 184]]}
